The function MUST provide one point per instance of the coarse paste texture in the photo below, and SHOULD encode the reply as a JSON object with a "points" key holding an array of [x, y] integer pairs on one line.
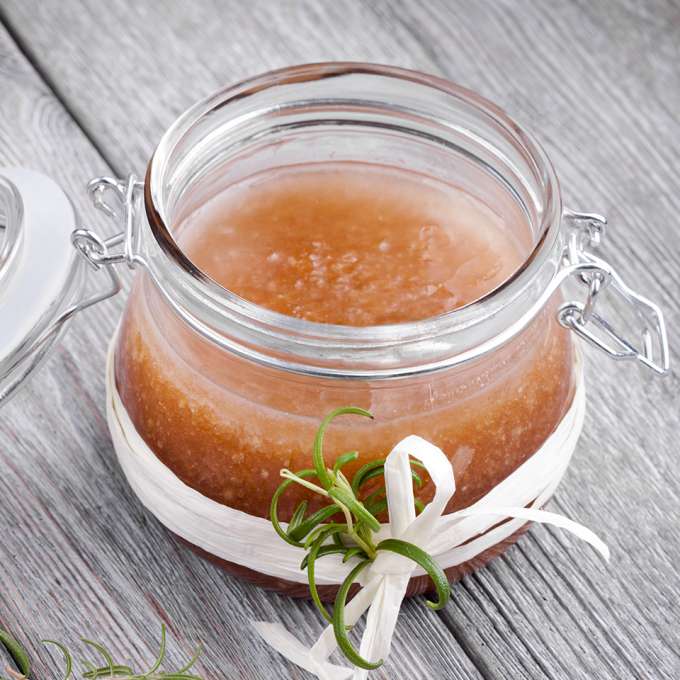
{"points": [[352, 244], [355, 244], [226, 426], [250, 541], [450, 539]]}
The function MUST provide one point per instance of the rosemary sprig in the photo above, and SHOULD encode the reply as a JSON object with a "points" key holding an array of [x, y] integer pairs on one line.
{"points": [[109, 669], [319, 534]]}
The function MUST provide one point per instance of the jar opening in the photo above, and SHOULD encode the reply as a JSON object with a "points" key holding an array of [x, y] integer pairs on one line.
{"points": [[350, 112]]}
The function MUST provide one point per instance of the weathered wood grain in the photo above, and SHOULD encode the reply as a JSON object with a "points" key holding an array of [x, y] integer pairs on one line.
{"points": [[79, 555], [599, 84]]}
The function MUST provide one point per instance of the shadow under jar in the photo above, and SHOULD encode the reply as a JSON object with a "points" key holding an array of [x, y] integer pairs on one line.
{"points": [[346, 234]]}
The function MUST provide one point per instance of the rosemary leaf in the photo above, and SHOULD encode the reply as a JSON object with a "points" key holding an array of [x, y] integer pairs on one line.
{"points": [[298, 516], [191, 663], [115, 670], [16, 651], [106, 655], [161, 653], [319, 464], [324, 530], [372, 497], [377, 507], [313, 553], [91, 668], [379, 470], [339, 621], [420, 557], [343, 497], [68, 659], [312, 522], [344, 459], [374, 468], [353, 552], [324, 550], [274, 506]]}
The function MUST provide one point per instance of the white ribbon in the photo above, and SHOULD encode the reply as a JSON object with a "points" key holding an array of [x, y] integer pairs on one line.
{"points": [[451, 539], [385, 584]]}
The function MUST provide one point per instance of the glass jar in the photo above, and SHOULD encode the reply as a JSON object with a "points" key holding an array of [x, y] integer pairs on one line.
{"points": [[226, 393]]}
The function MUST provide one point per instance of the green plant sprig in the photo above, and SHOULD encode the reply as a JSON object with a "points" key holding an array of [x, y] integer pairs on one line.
{"points": [[319, 535], [17, 652], [109, 668]]}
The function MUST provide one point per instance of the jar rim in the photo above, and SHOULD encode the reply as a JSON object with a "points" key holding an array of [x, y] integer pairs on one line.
{"points": [[546, 236]]}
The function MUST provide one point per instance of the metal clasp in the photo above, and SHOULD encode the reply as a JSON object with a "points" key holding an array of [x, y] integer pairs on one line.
{"points": [[98, 251], [585, 230], [117, 199]]}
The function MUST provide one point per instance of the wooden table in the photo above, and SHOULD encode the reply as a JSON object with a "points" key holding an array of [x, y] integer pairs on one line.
{"points": [[87, 89]]}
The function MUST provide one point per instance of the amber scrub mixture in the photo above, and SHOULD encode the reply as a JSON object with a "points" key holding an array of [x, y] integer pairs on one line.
{"points": [[356, 245]]}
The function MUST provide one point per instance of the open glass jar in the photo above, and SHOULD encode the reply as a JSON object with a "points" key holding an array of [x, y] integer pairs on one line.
{"points": [[225, 393]]}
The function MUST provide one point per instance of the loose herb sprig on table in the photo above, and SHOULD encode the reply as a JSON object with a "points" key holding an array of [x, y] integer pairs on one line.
{"points": [[354, 537], [109, 669]]}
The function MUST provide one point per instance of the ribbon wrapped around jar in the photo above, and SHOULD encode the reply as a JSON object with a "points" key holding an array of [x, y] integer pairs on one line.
{"points": [[451, 539]]}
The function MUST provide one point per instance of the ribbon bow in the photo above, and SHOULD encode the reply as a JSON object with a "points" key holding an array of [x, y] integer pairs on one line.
{"points": [[385, 582]]}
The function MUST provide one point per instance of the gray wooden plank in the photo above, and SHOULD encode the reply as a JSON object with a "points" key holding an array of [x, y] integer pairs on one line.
{"points": [[79, 553], [599, 84]]}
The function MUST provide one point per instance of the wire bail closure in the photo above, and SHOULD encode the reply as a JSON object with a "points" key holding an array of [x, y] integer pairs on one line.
{"points": [[124, 193], [117, 198], [586, 231], [97, 252]]}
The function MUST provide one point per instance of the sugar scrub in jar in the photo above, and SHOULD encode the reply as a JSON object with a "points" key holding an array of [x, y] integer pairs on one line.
{"points": [[334, 240], [337, 235], [325, 236]]}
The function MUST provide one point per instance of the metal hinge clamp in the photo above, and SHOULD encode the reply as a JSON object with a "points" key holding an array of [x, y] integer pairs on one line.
{"points": [[585, 230]]}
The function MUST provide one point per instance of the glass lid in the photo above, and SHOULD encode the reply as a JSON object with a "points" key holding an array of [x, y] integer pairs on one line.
{"points": [[40, 274]]}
